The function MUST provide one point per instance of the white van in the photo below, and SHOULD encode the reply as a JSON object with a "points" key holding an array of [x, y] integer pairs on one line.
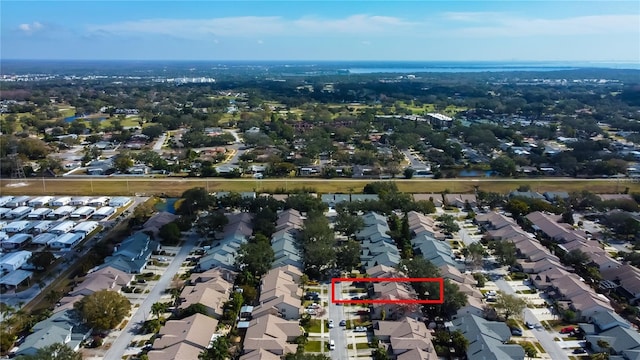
{"points": [[332, 345]]}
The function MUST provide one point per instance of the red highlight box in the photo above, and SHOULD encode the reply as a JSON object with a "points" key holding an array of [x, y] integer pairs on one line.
{"points": [[388, 301]]}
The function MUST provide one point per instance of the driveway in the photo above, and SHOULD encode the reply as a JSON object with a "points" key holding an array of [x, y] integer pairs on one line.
{"points": [[119, 346]]}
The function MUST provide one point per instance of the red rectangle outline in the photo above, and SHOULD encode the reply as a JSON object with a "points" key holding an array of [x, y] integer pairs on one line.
{"points": [[388, 301]]}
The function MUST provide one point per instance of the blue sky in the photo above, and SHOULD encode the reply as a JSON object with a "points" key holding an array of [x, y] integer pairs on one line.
{"points": [[421, 30]]}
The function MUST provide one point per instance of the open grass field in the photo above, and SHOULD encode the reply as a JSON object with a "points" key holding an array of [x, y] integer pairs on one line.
{"points": [[176, 186]]}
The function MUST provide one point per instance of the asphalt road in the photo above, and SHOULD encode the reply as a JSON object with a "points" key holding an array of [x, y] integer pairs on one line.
{"points": [[117, 349], [338, 333], [199, 179], [157, 147], [541, 334]]}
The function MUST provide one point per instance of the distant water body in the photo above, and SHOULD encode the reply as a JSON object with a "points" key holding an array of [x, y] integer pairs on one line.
{"points": [[470, 67]]}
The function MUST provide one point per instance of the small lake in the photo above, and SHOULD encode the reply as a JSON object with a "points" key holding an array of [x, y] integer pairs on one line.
{"points": [[476, 173], [73, 118], [167, 205]]}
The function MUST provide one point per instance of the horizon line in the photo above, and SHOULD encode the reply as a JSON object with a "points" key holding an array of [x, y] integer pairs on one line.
{"points": [[341, 60]]}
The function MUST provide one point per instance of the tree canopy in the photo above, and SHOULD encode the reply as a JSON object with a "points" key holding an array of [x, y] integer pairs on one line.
{"points": [[104, 310]]}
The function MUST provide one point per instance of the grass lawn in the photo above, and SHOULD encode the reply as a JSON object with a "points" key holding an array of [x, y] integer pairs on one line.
{"points": [[359, 346], [314, 326], [539, 347], [313, 346], [174, 186]]}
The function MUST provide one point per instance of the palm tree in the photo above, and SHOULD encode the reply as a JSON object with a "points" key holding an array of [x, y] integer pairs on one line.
{"points": [[158, 309], [219, 350]]}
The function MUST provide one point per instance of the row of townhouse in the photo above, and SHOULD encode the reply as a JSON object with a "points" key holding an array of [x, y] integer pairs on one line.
{"points": [[567, 289], [569, 239], [235, 233], [457, 200], [427, 242], [273, 328], [545, 269], [377, 246], [187, 338], [284, 239], [65, 326]]}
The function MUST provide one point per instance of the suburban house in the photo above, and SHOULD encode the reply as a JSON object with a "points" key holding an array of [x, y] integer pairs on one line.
{"points": [[132, 254], [64, 327], [460, 200], [407, 338], [211, 293], [106, 278], [627, 277], [620, 339], [235, 233], [270, 334], [280, 293], [487, 339], [184, 339]]}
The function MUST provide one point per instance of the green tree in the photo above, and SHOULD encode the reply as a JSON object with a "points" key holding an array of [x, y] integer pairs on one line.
{"points": [[380, 354], [55, 351], [503, 165], [257, 257], [448, 223], [505, 251], [104, 309], [318, 243], [219, 350], [348, 255], [418, 267], [195, 200], [460, 343], [159, 308], [170, 233], [348, 224], [576, 258], [408, 173], [454, 299], [123, 162], [476, 254], [509, 305], [529, 349]]}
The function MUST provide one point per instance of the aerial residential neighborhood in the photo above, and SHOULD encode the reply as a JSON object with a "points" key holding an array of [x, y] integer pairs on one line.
{"points": [[320, 180]]}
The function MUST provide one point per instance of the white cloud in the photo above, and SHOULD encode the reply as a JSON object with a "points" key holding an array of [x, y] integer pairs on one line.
{"points": [[448, 24], [507, 25], [254, 25], [30, 28]]}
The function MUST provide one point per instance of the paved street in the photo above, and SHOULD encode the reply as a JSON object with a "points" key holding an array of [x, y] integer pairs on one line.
{"points": [[337, 334], [544, 338], [119, 346], [157, 147]]}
